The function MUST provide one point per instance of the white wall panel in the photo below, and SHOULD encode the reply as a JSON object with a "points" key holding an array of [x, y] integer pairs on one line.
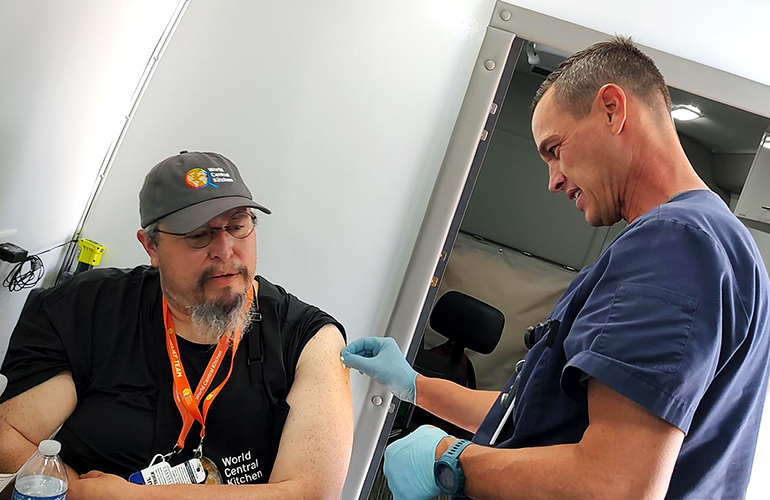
{"points": [[338, 115], [69, 70]]}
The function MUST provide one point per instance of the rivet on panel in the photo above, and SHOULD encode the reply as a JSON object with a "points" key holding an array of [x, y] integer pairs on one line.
{"points": [[376, 400], [505, 15], [489, 64]]}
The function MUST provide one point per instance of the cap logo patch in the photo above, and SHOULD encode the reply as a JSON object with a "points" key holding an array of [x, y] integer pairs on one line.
{"points": [[198, 178]]}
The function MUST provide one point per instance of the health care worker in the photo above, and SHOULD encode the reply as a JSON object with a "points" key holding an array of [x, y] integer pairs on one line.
{"points": [[648, 378]]}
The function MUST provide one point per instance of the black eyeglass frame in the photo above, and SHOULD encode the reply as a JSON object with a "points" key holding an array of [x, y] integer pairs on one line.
{"points": [[211, 230]]}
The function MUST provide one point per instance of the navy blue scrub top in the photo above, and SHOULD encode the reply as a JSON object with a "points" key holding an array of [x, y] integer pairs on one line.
{"points": [[674, 316]]}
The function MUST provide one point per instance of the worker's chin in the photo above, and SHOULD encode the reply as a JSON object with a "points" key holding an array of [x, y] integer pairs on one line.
{"points": [[594, 222], [600, 220]]}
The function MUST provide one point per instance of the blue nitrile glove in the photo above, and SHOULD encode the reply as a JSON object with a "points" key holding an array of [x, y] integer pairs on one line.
{"points": [[409, 464], [381, 359]]}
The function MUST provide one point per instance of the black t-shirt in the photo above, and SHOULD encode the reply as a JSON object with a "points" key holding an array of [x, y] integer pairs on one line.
{"points": [[106, 327]]}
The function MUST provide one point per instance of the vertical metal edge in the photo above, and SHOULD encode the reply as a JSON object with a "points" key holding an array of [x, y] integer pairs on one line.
{"points": [[753, 170], [112, 149], [410, 305], [470, 183]]}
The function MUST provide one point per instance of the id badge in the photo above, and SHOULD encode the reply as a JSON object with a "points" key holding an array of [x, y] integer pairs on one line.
{"points": [[189, 472]]}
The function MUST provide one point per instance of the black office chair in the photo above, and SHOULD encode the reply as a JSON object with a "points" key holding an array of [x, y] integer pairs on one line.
{"points": [[467, 323]]}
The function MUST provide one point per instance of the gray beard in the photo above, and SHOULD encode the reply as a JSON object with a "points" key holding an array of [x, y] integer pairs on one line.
{"points": [[211, 319]]}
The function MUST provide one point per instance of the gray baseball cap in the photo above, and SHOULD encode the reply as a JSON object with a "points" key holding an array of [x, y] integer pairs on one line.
{"points": [[188, 190]]}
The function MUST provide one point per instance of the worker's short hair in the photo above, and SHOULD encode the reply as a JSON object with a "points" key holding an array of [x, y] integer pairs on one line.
{"points": [[577, 80]]}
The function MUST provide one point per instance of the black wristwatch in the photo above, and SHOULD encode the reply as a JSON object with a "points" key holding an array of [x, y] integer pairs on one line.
{"points": [[447, 471]]}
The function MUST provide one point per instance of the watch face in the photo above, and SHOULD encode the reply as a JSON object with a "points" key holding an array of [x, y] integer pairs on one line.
{"points": [[446, 477]]}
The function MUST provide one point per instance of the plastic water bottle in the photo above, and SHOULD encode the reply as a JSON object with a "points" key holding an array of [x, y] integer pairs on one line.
{"points": [[43, 477]]}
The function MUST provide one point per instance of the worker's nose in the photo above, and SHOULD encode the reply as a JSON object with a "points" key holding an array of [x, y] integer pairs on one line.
{"points": [[556, 179]]}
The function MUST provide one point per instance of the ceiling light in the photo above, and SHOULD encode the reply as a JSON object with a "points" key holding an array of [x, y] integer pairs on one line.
{"points": [[685, 112]]}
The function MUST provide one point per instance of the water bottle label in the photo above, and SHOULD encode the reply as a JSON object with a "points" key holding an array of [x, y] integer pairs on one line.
{"points": [[22, 496]]}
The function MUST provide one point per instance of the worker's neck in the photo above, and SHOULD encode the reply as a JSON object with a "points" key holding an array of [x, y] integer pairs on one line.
{"points": [[659, 170]]}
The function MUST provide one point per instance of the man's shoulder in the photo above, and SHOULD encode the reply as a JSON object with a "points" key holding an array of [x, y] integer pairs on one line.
{"points": [[101, 280], [701, 209], [287, 304], [690, 218]]}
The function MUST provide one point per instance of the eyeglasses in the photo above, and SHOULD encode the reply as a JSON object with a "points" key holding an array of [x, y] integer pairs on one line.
{"points": [[239, 226]]}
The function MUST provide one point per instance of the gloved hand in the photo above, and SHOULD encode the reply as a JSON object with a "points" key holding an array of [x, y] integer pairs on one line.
{"points": [[409, 464], [381, 359]]}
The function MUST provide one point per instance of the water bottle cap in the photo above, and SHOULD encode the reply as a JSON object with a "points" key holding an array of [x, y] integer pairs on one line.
{"points": [[49, 447]]}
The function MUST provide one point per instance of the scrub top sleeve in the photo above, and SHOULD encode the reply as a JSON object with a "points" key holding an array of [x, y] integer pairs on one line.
{"points": [[35, 352], [651, 328]]}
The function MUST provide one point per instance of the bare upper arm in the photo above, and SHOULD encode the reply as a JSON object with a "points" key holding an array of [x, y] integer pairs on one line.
{"points": [[635, 451], [33, 416], [317, 437]]}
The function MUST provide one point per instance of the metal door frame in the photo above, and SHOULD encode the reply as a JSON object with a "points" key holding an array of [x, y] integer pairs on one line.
{"points": [[470, 138]]}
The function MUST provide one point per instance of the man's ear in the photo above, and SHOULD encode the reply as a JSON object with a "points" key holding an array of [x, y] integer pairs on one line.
{"points": [[152, 250], [613, 104]]}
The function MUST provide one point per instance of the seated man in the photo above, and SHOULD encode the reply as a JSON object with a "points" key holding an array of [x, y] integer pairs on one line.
{"points": [[138, 362]]}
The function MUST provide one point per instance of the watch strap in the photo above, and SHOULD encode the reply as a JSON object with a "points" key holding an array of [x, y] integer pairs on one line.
{"points": [[451, 458], [456, 448]]}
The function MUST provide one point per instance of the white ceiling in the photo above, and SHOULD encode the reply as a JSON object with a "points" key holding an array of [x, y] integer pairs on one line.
{"points": [[730, 36]]}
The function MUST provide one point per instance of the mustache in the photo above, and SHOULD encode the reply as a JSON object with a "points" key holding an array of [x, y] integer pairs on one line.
{"points": [[211, 273]]}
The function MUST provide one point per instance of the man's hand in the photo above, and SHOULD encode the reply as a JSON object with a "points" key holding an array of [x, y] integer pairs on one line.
{"points": [[381, 359], [409, 464], [100, 486]]}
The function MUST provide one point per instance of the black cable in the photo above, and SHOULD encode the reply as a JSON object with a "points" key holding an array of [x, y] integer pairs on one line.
{"points": [[57, 246], [17, 281]]}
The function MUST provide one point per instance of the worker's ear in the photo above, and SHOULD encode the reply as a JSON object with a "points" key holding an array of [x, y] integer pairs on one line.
{"points": [[149, 247], [612, 102]]}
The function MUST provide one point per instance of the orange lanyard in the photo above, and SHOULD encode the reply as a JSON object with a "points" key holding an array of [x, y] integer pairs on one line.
{"points": [[186, 401]]}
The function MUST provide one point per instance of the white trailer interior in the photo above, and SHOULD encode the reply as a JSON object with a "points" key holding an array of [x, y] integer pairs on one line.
{"points": [[357, 123]]}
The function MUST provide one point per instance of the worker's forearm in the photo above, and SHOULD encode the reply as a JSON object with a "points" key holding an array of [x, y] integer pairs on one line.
{"points": [[563, 472], [459, 405], [552, 473], [547, 473]]}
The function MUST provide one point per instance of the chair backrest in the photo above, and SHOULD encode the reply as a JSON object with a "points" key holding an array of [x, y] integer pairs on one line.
{"points": [[468, 322]]}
